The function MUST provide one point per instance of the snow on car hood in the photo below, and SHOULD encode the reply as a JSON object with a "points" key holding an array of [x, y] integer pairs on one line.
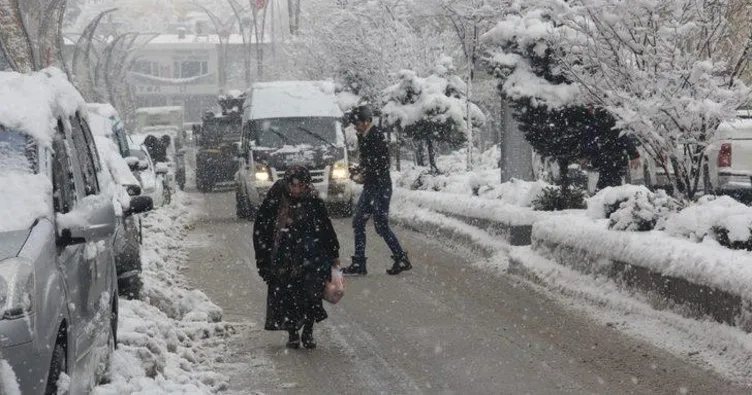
{"points": [[23, 199]]}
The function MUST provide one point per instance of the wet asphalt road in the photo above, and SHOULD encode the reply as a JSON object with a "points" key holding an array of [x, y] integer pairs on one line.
{"points": [[444, 327]]}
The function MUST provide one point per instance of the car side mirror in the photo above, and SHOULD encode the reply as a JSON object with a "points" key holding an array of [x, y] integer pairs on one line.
{"points": [[140, 204], [161, 168], [91, 221], [143, 165]]}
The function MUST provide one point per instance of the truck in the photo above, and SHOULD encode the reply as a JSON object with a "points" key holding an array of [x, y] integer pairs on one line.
{"points": [[217, 141], [287, 123], [160, 122]]}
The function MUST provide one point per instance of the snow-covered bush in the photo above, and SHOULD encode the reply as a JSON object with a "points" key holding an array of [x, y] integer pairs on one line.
{"points": [[644, 211], [556, 199], [722, 219], [609, 199]]}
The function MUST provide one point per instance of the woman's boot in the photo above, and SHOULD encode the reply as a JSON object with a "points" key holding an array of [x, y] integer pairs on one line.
{"points": [[294, 340], [307, 336]]}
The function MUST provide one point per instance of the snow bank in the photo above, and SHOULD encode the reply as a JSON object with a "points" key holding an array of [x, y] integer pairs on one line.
{"points": [[168, 340], [697, 221], [468, 206], [8, 383], [32, 103], [705, 263]]}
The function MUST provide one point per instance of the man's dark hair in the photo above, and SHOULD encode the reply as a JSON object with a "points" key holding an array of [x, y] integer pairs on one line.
{"points": [[361, 113]]}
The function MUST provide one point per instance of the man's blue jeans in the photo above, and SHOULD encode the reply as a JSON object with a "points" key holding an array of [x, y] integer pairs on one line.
{"points": [[374, 202]]}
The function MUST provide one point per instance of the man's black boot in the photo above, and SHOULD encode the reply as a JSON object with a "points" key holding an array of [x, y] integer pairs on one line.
{"points": [[401, 264], [356, 268], [307, 337], [294, 340]]}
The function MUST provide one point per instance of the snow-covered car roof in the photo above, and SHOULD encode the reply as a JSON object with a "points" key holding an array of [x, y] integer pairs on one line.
{"points": [[32, 103], [290, 99]]}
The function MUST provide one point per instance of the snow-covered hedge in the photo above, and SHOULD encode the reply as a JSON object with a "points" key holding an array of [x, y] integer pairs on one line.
{"points": [[469, 206], [700, 263]]}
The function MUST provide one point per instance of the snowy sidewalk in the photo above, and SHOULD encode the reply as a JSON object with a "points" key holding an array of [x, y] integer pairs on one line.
{"points": [[167, 341]]}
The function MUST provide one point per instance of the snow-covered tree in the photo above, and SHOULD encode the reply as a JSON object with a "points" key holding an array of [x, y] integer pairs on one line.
{"points": [[433, 109], [669, 70], [523, 51]]}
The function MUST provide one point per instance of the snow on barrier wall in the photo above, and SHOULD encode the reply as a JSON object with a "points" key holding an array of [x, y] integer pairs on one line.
{"points": [[706, 278]]}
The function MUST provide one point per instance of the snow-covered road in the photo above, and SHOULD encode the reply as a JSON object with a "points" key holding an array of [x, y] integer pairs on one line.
{"points": [[446, 327]]}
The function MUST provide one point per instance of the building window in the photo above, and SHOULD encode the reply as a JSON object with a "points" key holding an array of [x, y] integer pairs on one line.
{"points": [[146, 67], [191, 68]]}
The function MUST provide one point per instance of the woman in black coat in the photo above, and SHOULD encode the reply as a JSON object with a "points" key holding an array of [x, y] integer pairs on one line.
{"points": [[296, 247]]}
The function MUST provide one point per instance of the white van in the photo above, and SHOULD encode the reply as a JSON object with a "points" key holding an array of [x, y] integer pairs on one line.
{"points": [[287, 123]]}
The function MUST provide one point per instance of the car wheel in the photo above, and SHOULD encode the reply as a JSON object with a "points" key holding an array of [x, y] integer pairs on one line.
{"points": [[130, 288], [105, 372], [58, 364]]}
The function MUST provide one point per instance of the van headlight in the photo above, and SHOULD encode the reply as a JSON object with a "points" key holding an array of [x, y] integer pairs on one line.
{"points": [[16, 288], [340, 171], [263, 173]]}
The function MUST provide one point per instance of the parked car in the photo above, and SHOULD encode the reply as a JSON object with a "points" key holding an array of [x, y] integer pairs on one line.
{"points": [[126, 191], [153, 177], [108, 123], [58, 288], [728, 164]]}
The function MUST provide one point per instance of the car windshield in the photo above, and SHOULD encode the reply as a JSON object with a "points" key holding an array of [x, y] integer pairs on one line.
{"points": [[278, 132], [138, 154], [17, 152]]}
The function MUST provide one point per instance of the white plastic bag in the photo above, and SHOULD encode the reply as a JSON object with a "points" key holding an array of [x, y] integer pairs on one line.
{"points": [[334, 289]]}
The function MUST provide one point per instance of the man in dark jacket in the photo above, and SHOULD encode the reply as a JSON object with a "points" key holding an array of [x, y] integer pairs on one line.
{"points": [[376, 196], [296, 247]]}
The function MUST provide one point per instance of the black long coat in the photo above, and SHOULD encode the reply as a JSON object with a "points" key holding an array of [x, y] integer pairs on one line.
{"points": [[296, 268]]}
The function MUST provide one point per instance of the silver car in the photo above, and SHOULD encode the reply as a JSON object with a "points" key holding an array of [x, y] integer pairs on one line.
{"points": [[58, 285]]}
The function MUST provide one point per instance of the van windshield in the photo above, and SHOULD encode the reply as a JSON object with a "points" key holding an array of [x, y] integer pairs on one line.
{"points": [[17, 152], [278, 132]]}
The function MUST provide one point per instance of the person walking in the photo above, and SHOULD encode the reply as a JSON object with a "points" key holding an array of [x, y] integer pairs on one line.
{"points": [[296, 247], [376, 197]]}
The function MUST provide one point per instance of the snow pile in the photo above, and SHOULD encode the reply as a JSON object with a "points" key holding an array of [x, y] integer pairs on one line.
{"points": [[468, 206], [713, 217], [168, 340], [703, 263], [32, 103], [8, 383], [483, 179]]}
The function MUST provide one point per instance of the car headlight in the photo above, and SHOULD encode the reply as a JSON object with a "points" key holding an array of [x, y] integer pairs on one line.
{"points": [[263, 173], [16, 288], [340, 171]]}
